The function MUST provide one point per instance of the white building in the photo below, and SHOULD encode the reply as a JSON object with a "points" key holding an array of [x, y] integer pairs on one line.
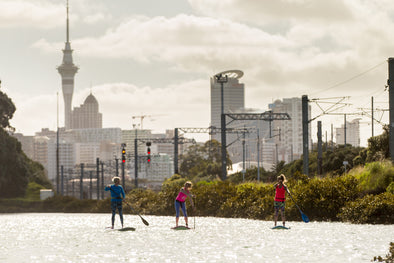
{"points": [[352, 133], [66, 158], [288, 135], [87, 115], [160, 168]]}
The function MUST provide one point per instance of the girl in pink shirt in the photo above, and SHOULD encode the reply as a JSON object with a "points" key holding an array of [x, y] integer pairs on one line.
{"points": [[180, 201], [280, 198]]}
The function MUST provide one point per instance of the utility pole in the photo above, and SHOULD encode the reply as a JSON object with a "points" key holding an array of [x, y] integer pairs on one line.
{"points": [[305, 134], [57, 146], [223, 79], [258, 155], [319, 149], [62, 180], [344, 130], [116, 166], [136, 161], [81, 183], [372, 122], [123, 164], [91, 184], [176, 171], [391, 107], [98, 177], [102, 180]]}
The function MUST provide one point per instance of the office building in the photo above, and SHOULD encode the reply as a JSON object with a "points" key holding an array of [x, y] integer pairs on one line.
{"points": [[287, 135], [87, 116], [352, 133], [233, 96], [233, 101]]}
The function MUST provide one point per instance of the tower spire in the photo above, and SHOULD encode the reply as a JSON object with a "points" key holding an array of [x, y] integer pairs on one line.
{"points": [[68, 38], [67, 70]]}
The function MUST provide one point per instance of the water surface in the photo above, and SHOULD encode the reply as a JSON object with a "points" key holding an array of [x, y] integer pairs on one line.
{"points": [[61, 237]]}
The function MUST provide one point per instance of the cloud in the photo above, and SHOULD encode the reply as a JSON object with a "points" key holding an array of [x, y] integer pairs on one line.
{"points": [[266, 11], [37, 111], [97, 17], [38, 14], [286, 48], [176, 105], [305, 53]]}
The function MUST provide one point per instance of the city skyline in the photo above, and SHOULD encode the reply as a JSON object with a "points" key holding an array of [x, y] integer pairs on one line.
{"points": [[157, 58]]}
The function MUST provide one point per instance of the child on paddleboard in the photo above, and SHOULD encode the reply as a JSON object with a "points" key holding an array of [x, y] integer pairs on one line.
{"points": [[117, 196], [180, 201], [280, 198]]}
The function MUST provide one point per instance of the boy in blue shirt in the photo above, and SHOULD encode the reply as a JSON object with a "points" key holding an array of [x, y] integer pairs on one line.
{"points": [[117, 196]]}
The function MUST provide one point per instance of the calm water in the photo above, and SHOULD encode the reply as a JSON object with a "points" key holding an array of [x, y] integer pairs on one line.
{"points": [[85, 238]]}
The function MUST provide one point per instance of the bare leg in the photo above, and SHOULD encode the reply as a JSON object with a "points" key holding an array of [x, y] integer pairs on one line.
{"points": [[176, 221], [186, 220], [276, 216], [282, 215]]}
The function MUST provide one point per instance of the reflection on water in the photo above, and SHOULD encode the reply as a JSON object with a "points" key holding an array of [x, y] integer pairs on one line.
{"points": [[86, 238]]}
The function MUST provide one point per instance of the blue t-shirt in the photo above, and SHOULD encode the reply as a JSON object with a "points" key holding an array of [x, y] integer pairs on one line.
{"points": [[117, 192]]}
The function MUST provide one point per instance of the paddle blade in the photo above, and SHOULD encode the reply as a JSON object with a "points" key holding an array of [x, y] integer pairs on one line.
{"points": [[304, 217], [144, 221]]}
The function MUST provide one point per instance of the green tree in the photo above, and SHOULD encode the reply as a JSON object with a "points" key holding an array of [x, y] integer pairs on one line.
{"points": [[7, 109], [203, 161], [14, 169], [378, 146]]}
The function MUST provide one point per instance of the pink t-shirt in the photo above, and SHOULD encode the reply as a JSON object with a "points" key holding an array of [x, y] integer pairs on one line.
{"points": [[181, 196]]}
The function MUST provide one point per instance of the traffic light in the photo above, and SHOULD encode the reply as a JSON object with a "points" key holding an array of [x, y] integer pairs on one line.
{"points": [[123, 155], [148, 151]]}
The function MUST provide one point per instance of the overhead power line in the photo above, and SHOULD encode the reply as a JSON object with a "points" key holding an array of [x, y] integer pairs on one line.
{"points": [[350, 79]]}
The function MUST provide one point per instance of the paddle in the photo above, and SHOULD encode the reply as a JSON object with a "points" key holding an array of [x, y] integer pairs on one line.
{"points": [[143, 220], [194, 213], [304, 217]]}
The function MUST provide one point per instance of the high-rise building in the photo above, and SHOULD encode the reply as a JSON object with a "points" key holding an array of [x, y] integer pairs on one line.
{"points": [[233, 101], [352, 133], [67, 70], [288, 134], [233, 96], [87, 116], [66, 158]]}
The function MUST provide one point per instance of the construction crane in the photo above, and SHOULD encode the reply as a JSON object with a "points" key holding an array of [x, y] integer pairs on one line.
{"points": [[141, 117]]}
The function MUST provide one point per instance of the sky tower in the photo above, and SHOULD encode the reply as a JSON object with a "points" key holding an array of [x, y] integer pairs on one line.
{"points": [[67, 70]]}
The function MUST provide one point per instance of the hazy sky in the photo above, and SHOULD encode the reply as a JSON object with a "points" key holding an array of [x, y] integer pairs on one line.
{"points": [[156, 57]]}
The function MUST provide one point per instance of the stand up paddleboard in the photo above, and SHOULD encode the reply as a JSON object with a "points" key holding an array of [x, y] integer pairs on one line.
{"points": [[180, 228], [127, 229], [280, 227], [122, 229]]}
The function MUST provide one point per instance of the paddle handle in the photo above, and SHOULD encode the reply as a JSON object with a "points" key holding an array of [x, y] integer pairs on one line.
{"points": [[143, 220], [303, 216]]}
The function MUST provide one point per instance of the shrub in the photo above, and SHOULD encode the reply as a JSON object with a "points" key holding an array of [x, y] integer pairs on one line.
{"points": [[371, 209], [251, 200], [389, 257], [376, 177], [322, 199], [33, 191], [390, 188], [211, 196]]}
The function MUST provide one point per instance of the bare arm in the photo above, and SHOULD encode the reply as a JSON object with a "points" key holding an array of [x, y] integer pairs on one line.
{"points": [[188, 195]]}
